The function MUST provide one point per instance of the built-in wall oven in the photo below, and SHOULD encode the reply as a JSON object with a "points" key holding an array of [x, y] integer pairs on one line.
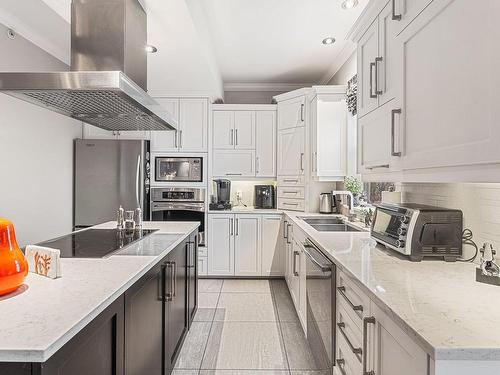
{"points": [[179, 204], [321, 306], [178, 169]]}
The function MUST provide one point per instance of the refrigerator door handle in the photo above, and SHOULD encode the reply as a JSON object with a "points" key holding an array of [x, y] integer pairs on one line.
{"points": [[137, 180]]}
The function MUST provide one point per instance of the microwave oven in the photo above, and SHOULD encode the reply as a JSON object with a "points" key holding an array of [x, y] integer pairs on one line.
{"points": [[178, 169], [419, 231]]}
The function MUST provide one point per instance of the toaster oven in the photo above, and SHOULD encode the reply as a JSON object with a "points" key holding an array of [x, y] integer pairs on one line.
{"points": [[419, 231]]}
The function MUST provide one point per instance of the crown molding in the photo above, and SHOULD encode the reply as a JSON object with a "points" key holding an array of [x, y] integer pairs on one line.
{"points": [[343, 56], [264, 86]]}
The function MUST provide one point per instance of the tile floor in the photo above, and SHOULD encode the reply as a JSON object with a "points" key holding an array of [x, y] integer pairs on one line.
{"points": [[245, 327]]}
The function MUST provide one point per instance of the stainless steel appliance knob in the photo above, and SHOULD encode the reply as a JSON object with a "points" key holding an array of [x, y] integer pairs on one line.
{"points": [[405, 219], [400, 243], [402, 231]]}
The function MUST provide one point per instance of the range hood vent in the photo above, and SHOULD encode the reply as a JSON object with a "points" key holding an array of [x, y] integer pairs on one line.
{"points": [[108, 40]]}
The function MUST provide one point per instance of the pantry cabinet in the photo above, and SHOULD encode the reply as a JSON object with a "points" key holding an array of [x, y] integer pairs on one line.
{"points": [[244, 140], [191, 134]]}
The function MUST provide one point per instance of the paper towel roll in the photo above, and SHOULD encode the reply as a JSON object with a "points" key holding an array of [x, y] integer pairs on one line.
{"points": [[391, 197]]}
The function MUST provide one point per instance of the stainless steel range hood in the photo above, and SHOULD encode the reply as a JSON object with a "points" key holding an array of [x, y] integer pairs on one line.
{"points": [[106, 86]]}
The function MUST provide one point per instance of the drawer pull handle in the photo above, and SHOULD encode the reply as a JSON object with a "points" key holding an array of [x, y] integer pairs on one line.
{"points": [[341, 290], [290, 180], [366, 321], [372, 66], [341, 364], [291, 192], [357, 351], [295, 253], [378, 166], [395, 17], [290, 204]]}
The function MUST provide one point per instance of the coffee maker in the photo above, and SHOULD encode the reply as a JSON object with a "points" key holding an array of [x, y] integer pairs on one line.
{"points": [[264, 196], [223, 195]]}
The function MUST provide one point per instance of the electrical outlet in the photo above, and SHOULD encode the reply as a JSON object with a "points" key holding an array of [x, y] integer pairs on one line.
{"points": [[239, 195]]}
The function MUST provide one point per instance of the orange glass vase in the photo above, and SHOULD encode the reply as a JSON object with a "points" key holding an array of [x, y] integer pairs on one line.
{"points": [[13, 265]]}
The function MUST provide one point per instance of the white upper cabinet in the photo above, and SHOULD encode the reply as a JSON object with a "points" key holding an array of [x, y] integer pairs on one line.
{"points": [[404, 11], [192, 129], [291, 152], [223, 130], [449, 89], [291, 113], [328, 129], [265, 153], [367, 64], [93, 132], [233, 163], [244, 130], [166, 140], [193, 132]]}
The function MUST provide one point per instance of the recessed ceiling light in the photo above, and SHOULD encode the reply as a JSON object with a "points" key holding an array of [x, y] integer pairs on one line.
{"points": [[151, 49], [349, 4], [328, 40]]}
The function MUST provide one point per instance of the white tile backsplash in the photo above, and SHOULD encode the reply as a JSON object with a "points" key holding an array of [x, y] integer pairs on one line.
{"points": [[480, 204]]}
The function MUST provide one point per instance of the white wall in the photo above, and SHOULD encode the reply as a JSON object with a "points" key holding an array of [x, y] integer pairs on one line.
{"points": [[36, 153], [346, 71], [250, 97], [480, 204]]}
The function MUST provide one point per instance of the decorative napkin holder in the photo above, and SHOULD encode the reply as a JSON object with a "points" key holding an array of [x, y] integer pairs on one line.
{"points": [[44, 261]]}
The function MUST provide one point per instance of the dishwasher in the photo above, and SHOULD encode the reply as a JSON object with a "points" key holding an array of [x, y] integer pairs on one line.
{"points": [[321, 305]]}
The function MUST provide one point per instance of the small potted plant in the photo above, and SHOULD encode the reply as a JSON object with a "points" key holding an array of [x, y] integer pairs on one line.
{"points": [[355, 186]]}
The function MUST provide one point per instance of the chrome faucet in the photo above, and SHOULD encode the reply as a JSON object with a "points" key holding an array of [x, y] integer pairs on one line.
{"points": [[335, 193]]}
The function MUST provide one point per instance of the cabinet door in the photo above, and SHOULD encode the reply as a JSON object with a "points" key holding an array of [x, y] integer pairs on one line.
{"points": [[367, 54], [449, 109], [96, 349], [291, 145], [238, 163], [144, 299], [244, 130], [302, 311], [139, 134], [223, 130], [193, 131], [247, 245], [393, 352], [387, 66], [273, 255], [93, 132], [221, 245], [176, 311], [166, 141], [291, 113], [265, 156], [294, 273], [375, 140], [202, 266], [405, 11]]}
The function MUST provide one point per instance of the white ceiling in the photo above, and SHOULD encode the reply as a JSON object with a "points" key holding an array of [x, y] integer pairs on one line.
{"points": [[204, 43], [278, 41]]}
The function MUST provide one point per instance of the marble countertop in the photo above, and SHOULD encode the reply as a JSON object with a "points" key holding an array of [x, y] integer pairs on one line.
{"points": [[45, 314], [439, 304], [247, 210]]}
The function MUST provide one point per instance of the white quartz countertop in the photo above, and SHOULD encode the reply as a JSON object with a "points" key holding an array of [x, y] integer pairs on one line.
{"points": [[247, 210], [47, 313], [439, 304]]}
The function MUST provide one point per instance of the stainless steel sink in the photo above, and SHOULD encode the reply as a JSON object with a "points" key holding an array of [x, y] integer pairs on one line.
{"points": [[330, 224]]}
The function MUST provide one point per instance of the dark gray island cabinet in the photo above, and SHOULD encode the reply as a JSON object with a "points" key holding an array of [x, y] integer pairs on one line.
{"points": [[140, 333]]}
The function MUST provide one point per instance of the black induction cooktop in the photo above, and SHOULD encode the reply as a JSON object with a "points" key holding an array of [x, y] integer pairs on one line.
{"points": [[95, 243]]}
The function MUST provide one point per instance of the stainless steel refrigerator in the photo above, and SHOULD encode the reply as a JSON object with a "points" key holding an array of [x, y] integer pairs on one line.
{"points": [[110, 173]]}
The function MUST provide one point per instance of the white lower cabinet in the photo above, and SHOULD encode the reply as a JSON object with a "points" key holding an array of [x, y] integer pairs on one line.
{"points": [[202, 266], [247, 245], [221, 245], [273, 245]]}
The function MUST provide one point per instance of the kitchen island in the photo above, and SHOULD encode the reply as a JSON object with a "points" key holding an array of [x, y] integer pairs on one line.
{"points": [[88, 320]]}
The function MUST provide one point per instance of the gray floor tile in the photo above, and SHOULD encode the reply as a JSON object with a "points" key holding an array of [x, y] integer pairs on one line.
{"points": [[244, 372], [185, 372], [245, 346], [246, 286], [204, 314], [210, 285], [246, 307], [298, 352], [208, 300], [278, 286], [194, 346], [285, 307]]}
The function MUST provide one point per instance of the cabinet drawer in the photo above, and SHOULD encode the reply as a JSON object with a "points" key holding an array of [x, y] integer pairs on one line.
{"points": [[291, 204], [356, 302], [291, 192], [346, 363], [349, 330], [202, 251], [291, 181]]}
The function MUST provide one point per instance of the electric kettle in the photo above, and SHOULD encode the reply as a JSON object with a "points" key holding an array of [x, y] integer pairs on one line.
{"points": [[325, 203]]}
